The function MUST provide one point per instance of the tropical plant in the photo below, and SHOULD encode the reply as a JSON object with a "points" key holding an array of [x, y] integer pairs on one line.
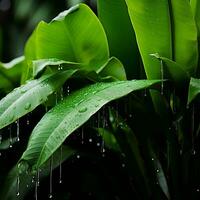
{"points": [[86, 77]]}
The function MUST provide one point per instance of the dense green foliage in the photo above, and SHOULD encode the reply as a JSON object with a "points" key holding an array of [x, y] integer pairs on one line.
{"points": [[117, 95]]}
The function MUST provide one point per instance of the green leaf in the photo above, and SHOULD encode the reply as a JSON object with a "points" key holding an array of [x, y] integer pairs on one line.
{"points": [[194, 89], [10, 73], [40, 65], [185, 49], [26, 98], [195, 5], [71, 113], [176, 72], [121, 37], [75, 35], [109, 139], [151, 22], [111, 68], [8, 191]]}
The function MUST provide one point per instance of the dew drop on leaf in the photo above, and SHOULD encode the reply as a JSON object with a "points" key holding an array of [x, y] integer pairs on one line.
{"points": [[82, 110], [27, 106]]}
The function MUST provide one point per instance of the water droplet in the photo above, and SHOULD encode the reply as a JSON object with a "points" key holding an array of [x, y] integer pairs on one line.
{"points": [[27, 106], [50, 178], [152, 159], [17, 139], [50, 196], [0, 138], [36, 190], [130, 116], [145, 92], [198, 190], [123, 165], [96, 105], [90, 140], [68, 90], [82, 135], [78, 156], [157, 170], [11, 118], [18, 186], [193, 152], [38, 177], [82, 110], [10, 137], [98, 144], [60, 166], [23, 90], [33, 179], [27, 185]]}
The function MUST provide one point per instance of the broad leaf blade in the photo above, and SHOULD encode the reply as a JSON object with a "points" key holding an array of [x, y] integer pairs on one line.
{"points": [[26, 98], [151, 22], [121, 37], [71, 113], [185, 49], [75, 35], [194, 89]]}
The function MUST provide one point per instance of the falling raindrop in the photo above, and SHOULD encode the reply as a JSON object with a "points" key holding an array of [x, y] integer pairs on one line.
{"points": [[90, 140], [10, 137], [162, 76], [98, 144], [145, 92], [50, 178], [157, 170], [198, 190], [78, 156], [68, 90], [18, 186], [38, 178], [152, 159], [61, 94], [193, 152], [17, 122], [33, 179], [123, 165], [36, 190], [0, 138], [82, 135], [60, 166]]}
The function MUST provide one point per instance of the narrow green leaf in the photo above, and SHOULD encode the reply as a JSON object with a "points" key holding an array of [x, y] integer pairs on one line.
{"points": [[151, 22], [121, 37], [26, 98], [71, 113], [109, 139], [194, 89], [75, 35]]}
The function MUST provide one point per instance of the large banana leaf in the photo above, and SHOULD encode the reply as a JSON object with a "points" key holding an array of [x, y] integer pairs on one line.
{"points": [[71, 113], [151, 22], [167, 28], [75, 35], [121, 37], [27, 97]]}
